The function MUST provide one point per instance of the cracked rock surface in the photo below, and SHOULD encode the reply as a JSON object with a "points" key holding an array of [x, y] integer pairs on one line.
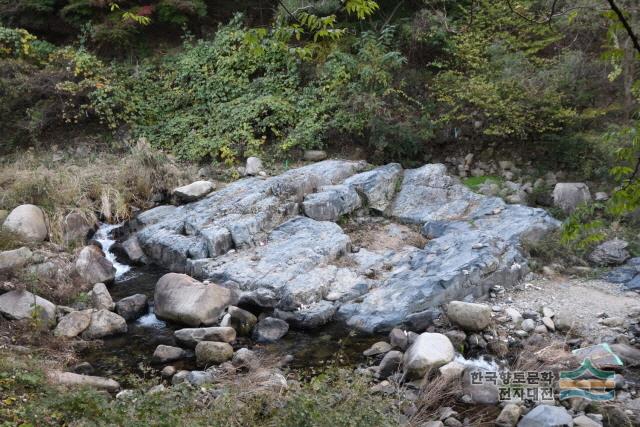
{"points": [[374, 248]]}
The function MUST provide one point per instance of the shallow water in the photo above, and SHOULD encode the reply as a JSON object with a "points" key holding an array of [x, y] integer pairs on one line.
{"points": [[125, 354]]}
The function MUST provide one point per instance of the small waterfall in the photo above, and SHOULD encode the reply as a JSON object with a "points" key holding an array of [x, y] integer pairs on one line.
{"points": [[103, 236]]}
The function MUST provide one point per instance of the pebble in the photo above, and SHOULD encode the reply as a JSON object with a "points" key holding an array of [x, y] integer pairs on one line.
{"points": [[548, 323], [528, 325]]}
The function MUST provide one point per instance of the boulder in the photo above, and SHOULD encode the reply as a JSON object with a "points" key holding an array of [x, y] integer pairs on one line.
{"points": [[270, 329], [245, 358], [452, 370], [194, 191], [19, 305], [509, 415], [398, 339], [71, 379], [101, 298], [76, 228], [167, 353], [314, 155], [94, 267], [481, 394], [611, 252], [469, 316], [132, 250], [213, 353], [73, 324], [104, 323], [381, 347], [429, 351], [331, 202], [190, 337], [547, 416], [253, 166], [240, 320], [16, 258], [182, 299], [390, 364], [28, 223], [132, 307], [569, 195]]}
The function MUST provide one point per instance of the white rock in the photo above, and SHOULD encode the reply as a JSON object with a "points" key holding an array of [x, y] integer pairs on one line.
{"points": [[28, 222], [429, 351], [19, 305], [194, 191], [254, 166]]}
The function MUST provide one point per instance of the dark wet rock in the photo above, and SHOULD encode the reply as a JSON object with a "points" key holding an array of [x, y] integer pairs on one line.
{"points": [[270, 329], [308, 317], [132, 306], [167, 353], [398, 339], [240, 320], [130, 249], [390, 364], [182, 299], [190, 337], [547, 416]]}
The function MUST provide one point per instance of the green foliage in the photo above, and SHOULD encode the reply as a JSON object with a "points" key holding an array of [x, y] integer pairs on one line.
{"points": [[475, 182]]}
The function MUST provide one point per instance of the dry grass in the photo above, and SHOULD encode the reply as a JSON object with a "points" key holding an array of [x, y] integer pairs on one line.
{"points": [[438, 392], [106, 185]]}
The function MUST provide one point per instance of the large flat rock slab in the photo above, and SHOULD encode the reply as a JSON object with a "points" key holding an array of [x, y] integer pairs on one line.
{"points": [[422, 239]]}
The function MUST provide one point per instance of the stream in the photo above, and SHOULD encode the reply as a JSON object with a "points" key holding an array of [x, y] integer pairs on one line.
{"points": [[122, 355]]}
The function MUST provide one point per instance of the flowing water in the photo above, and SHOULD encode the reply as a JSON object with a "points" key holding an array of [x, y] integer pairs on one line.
{"points": [[125, 354]]}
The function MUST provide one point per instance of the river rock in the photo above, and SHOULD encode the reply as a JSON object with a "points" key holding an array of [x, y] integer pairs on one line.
{"points": [[331, 202], [132, 307], [528, 325], [469, 316], [16, 258], [104, 323], [314, 155], [398, 339], [270, 329], [381, 347], [452, 370], [240, 320], [569, 195], [76, 228], [28, 223], [211, 352], [514, 315], [76, 380], [429, 351], [308, 317], [94, 267], [547, 416], [132, 250], [486, 393], [253, 166], [249, 236], [390, 364], [182, 299], [101, 298], [611, 252], [190, 337], [194, 191], [509, 415], [73, 324], [245, 358], [19, 305], [167, 353]]}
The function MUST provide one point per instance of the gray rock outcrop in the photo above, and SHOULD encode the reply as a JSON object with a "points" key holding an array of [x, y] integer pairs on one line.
{"points": [[254, 238]]}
